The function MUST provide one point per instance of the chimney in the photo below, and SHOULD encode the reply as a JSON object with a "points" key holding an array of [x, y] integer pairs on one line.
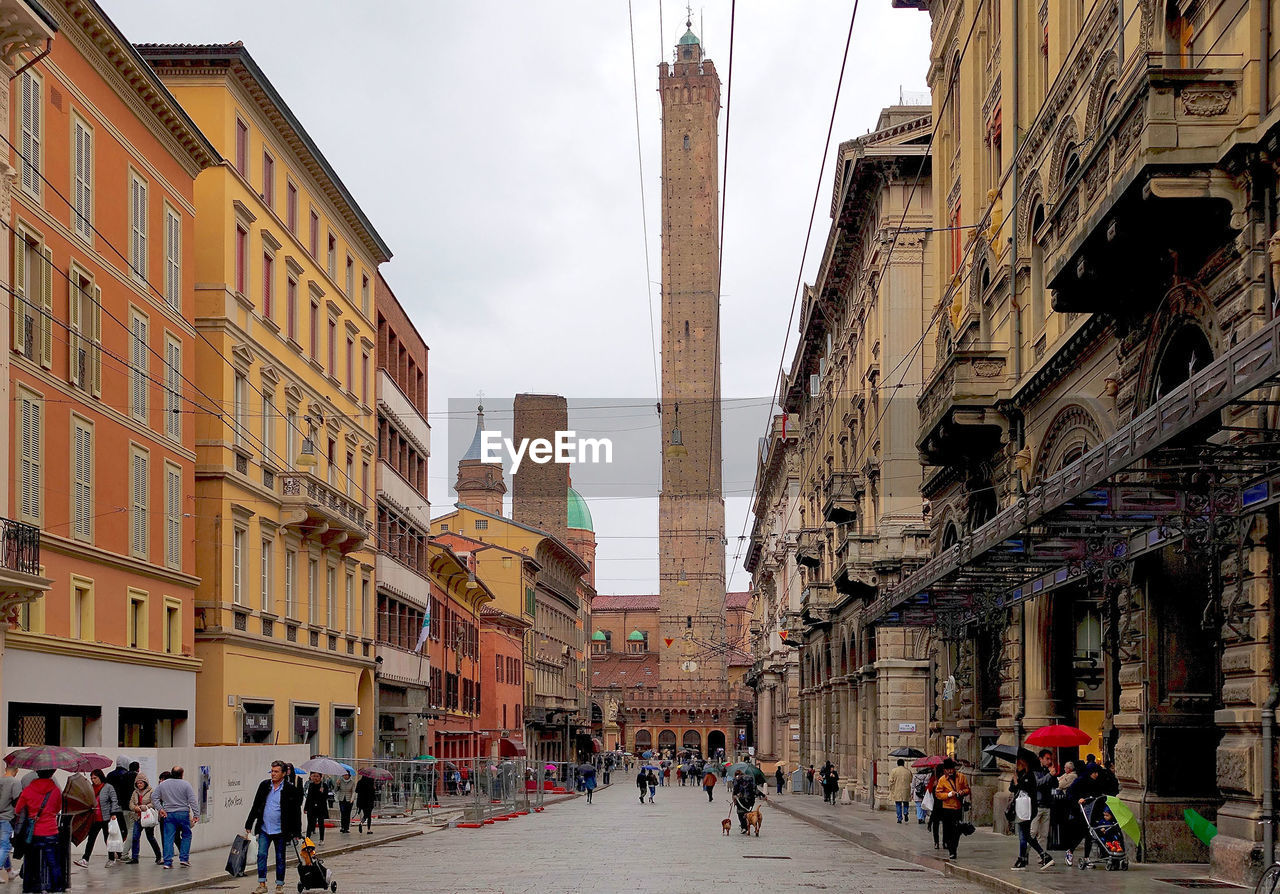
{"points": [[540, 491]]}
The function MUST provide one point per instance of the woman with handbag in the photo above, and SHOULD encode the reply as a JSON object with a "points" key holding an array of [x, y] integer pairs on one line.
{"points": [[1024, 806], [145, 818], [35, 835], [105, 809]]}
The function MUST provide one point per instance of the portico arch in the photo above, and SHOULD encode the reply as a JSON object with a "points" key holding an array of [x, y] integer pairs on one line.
{"points": [[715, 742], [692, 739]]}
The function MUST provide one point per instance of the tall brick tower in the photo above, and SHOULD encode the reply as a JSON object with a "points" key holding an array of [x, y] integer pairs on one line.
{"points": [[691, 505]]}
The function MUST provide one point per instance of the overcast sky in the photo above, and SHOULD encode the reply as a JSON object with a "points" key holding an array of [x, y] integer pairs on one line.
{"points": [[493, 145]]}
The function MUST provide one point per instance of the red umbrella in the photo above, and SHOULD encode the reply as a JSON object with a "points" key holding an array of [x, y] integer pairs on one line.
{"points": [[94, 761], [1059, 736], [377, 773], [47, 757], [928, 763]]}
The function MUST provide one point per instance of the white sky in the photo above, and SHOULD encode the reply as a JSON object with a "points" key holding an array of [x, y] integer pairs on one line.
{"points": [[493, 145]]}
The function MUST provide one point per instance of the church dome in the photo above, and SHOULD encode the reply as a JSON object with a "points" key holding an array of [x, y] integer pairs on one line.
{"points": [[598, 637], [689, 39], [579, 514]]}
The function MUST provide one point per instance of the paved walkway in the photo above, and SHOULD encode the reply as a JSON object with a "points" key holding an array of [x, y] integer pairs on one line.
{"points": [[617, 844], [984, 857]]}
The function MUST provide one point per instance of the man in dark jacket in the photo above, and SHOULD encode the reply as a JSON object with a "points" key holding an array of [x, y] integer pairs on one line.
{"points": [[1083, 794], [316, 805], [276, 818], [121, 779]]}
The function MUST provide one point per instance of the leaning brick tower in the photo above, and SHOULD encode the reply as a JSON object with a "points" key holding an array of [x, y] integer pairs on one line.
{"points": [[691, 504]]}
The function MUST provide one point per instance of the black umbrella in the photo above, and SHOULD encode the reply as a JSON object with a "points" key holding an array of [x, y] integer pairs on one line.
{"points": [[906, 751], [1011, 753]]}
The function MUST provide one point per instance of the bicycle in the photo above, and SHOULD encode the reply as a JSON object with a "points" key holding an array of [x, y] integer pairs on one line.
{"points": [[1269, 883]]}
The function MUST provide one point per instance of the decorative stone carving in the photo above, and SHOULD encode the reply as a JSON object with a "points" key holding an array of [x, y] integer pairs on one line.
{"points": [[1235, 769], [1206, 103]]}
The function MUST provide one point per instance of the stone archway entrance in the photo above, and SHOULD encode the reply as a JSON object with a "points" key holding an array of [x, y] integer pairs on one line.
{"points": [[692, 740], [667, 741], [715, 742], [644, 741]]}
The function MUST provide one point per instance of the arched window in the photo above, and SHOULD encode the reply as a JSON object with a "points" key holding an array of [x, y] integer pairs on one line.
{"points": [[1070, 163], [1037, 275]]}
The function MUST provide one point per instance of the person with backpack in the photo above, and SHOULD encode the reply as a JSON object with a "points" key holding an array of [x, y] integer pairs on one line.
{"points": [[36, 815]]}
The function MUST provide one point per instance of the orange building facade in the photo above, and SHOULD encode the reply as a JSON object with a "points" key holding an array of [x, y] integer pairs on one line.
{"points": [[502, 683], [102, 404]]}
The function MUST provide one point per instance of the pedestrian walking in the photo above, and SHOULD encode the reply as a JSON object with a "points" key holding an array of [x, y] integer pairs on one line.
{"points": [[642, 782], [935, 815], [589, 782], [1046, 785], [709, 784], [1026, 794], [366, 794], [179, 811], [121, 779], [1087, 786], [900, 790], [316, 804], [830, 782], [652, 779], [744, 797], [105, 809], [140, 803], [10, 791], [919, 788], [44, 862], [779, 777], [951, 794], [276, 819], [808, 780], [346, 793]]}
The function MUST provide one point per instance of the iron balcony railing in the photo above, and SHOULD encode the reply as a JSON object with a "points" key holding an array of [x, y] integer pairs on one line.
{"points": [[21, 547]]}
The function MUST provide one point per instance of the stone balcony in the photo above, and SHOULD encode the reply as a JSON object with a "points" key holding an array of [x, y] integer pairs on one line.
{"points": [[809, 549], [843, 492], [957, 407], [321, 512]]}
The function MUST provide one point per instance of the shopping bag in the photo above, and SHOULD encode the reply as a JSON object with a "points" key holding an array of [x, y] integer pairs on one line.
{"points": [[238, 857], [927, 801], [115, 841], [1023, 806], [149, 819]]}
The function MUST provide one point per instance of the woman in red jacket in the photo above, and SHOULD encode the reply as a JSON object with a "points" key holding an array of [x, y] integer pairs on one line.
{"points": [[43, 866]]}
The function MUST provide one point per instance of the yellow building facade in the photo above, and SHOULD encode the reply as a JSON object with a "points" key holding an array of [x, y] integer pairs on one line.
{"points": [[285, 265]]}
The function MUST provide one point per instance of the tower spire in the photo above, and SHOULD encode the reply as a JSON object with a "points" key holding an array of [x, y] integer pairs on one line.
{"points": [[480, 484]]}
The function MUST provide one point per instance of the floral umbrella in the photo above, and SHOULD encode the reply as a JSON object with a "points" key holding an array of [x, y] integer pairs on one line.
{"points": [[377, 774], [47, 757]]}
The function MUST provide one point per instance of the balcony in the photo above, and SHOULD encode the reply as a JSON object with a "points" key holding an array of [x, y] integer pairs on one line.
{"points": [[322, 513], [809, 549], [20, 577], [844, 489], [855, 574], [957, 412]]}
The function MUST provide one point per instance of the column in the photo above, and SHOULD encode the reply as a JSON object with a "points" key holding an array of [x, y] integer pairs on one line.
{"points": [[764, 721]]}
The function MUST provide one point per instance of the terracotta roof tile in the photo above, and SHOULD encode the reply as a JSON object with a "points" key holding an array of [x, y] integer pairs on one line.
{"points": [[621, 671], [624, 603]]}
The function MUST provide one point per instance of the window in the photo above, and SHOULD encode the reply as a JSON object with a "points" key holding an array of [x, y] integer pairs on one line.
{"points": [[82, 493], [364, 606], [364, 293], [268, 424], [138, 497], [313, 610], [332, 263], [290, 575], [138, 226], [33, 314], [172, 516], [32, 124], [333, 348], [172, 626], [31, 457], [364, 481], [268, 180], [364, 378], [291, 309], [351, 365], [137, 620], [173, 388], [85, 304], [172, 258], [332, 464], [315, 330], [291, 437], [268, 278], [80, 617], [237, 566], [242, 261], [238, 407], [351, 602], [242, 148], [138, 366], [291, 207], [351, 277], [314, 243], [82, 179], [265, 582], [351, 473], [482, 524]]}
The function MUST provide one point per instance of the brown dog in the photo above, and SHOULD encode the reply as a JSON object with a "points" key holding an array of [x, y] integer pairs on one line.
{"points": [[754, 821], [726, 824]]}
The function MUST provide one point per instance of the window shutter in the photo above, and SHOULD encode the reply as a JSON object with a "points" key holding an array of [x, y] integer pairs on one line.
{"points": [[46, 302], [29, 113], [95, 350], [84, 482], [30, 460], [77, 340], [19, 294], [173, 386], [139, 504]]}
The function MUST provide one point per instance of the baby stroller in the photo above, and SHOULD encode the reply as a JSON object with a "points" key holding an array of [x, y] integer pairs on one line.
{"points": [[312, 875], [1103, 829]]}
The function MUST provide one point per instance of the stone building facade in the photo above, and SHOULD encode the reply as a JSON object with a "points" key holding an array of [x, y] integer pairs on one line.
{"points": [[1101, 497]]}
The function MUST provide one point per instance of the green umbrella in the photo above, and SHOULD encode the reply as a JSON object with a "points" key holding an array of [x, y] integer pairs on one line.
{"points": [[424, 757], [746, 768], [1200, 827], [1125, 819]]}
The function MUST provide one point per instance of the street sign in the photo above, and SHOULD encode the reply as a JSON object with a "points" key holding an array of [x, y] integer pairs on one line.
{"points": [[906, 727]]}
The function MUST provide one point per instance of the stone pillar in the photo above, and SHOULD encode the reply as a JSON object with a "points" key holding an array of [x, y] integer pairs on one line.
{"points": [[1042, 702], [764, 721]]}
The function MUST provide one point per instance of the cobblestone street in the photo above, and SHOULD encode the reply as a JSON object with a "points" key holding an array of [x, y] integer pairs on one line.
{"points": [[615, 844]]}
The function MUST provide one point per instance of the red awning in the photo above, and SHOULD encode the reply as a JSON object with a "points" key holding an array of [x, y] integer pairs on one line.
{"points": [[597, 746], [507, 748]]}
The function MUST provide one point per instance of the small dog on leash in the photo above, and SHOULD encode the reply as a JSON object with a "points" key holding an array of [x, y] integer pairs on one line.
{"points": [[725, 825], [754, 821]]}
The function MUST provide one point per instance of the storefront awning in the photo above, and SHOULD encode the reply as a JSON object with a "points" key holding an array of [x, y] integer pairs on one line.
{"points": [[509, 748], [1141, 489]]}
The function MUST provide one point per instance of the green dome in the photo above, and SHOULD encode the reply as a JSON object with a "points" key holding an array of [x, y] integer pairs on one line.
{"points": [[579, 514], [636, 636], [689, 38], [598, 636]]}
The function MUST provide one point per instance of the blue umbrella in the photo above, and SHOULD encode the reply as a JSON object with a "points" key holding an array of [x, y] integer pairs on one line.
{"points": [[648, 767], [350, 769]]}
